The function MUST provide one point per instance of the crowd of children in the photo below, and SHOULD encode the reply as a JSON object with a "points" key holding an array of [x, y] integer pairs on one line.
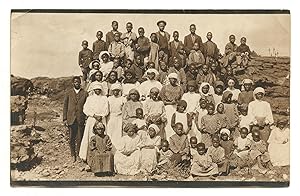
{"points": [[156, 103]]}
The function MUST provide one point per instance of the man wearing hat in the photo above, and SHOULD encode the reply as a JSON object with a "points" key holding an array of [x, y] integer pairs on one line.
{"points": [[84, 59], [163, 38], [191, 39]]}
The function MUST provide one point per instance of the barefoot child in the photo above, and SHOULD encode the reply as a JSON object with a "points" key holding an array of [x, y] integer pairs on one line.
{"points": [[217, 154], [100, 157], [202, 164]]}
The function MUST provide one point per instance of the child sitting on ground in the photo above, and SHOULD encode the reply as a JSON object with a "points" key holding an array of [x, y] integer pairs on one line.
{"points": [[100, 157], [242, 145], [164, 159], [258, 153], [193, 147], [179, 145], [202, 164], [217, 154]]}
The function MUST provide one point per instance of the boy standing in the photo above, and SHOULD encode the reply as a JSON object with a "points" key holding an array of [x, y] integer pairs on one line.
{"points": [[98, 45], [143, 44], [211, 50], [84, 59], [129, 39], [163, 38], [191, 39], [73, 115], [174, 45], [116, 48], [110, 35]]}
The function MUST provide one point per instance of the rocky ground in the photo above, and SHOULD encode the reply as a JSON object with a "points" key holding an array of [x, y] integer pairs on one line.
{"points": [[52, 144]]}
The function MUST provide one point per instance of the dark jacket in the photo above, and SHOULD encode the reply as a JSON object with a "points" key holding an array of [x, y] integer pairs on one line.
{"points": [[73, 106], [189, 44]]}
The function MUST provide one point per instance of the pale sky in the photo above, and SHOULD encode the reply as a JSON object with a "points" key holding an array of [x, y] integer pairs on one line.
{"points": [[48, 44]]}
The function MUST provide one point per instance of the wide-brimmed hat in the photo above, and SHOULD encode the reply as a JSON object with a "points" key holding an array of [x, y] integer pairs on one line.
{"points": [[258, 90], [161, 21]]}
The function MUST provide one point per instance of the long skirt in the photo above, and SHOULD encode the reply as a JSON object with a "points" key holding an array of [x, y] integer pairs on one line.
{"points": [[127, 165], [279, 154], [100, 162], [201, 171], [114, 129], [170, 110], [148, 160], [88, 133]]}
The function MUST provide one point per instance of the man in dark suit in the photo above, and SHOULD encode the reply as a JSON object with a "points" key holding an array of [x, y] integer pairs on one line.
{"points": [[73, 115], [191, 39]]}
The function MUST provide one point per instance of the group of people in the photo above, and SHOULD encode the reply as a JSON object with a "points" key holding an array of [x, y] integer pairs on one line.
{"points": [[148, 106]]}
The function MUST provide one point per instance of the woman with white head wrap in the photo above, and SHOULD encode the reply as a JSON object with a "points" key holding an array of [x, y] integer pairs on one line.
{"points": [[105, 64], [170, 95], [231, 87], [145, 87], [96, 109], [260, 113], [206, 91], [246, 96], [114, 124], [150, 148]]}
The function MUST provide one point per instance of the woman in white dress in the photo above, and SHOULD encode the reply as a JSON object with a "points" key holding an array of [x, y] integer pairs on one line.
{"points": [[151, 82], [96, 109], [114, 122], [279, 144], [260, 113]]}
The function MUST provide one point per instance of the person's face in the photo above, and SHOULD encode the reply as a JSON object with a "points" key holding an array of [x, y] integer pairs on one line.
{"points": [[116, 92], [220, 108], [176, 64], [139, 60], [219, 90], [141, 32], [191, 88], [209, 36], [196, 46], [232, 39], [203, 104], [281, 125], [193, 70], [163, 66], [229, 98], [192, 29], [128, 64], [116, 62], [129, 27], [173, 81], [113, 76], [259, 96], [193, 142], [151, 76], [216, 142], [153, 95], [133, 97], [213, 67], [76, 83], [99, 131], [180, 108], [179, 129], [99, 35], [97, 91], [151, 132], [205, 69], [165, 147], [96, 66], [201, 150], [230, 83], [256, 137], [104, 58], [84, 46], [161, 26], [247, 86], [244, 112], [243, 41], [139, 114], [210, 110], [176, 36], [243, 133], [205, 89], [115, 26], [131, 132], [128, 76], [229, 71], [98, 76], [224, 136], [117, 37], [153, 37]]}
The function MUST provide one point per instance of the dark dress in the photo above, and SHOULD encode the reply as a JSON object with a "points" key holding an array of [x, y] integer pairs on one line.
{"points": [[100, 157]]}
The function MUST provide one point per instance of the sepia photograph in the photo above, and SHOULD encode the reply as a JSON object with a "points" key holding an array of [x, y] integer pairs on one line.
{"points": [[194, 98]]}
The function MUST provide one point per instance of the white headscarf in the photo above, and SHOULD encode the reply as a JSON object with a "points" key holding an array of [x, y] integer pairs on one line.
{"points": [[226, 131], [210, 89], [258, 90], [96, 85], [152, 71], [246, 81], [155, 127], [100, 55]]}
